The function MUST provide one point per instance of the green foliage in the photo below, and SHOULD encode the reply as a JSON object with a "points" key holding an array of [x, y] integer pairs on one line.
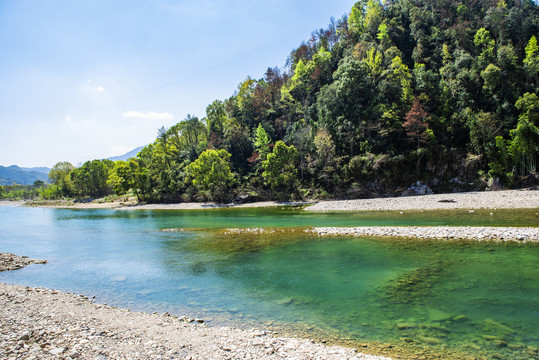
{"points": [[262, 142], [531, 61], [485, 45], [390, 87], [356, 19], [20, 192], [211, 174], [492, 76], [326, 160], [91, 178], [60, 177], [216, 118], [525, 137], [280, 170], [121, 177]]}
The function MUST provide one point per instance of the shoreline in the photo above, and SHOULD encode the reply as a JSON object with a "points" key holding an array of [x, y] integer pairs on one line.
{"points": [[472, 233], [39, 323], [504, 199], [521, 235]]}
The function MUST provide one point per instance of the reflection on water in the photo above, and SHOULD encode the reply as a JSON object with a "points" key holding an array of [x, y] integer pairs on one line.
{"points": [[471, 298]]}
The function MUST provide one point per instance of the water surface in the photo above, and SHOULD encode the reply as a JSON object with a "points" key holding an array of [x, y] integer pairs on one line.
{"points": [[479, 299]]}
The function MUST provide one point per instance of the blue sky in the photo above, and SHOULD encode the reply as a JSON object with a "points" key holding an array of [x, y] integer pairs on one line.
{"points": [[82, 80]]}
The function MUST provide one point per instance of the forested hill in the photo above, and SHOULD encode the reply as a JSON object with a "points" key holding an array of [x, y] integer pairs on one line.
{"points": [[440, 91], [24, 176]]}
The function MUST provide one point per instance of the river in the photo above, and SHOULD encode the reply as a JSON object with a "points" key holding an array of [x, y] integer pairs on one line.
{"points": [[464, 297]]}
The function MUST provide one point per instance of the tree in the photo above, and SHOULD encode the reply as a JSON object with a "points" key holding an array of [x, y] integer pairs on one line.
{"points": [[216, 117], [187, 135], [237, 141], [262, 142], [280, 169], [492, 77], [525, 138], [211, 173], [415, 125], [326, 157], [91, 178], [484, 128], [356, 19], [59, 176], [531, 61], [485, 45], [121, 177], [141, 178]]}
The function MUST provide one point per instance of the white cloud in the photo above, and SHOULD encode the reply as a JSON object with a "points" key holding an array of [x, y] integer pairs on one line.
{"points": [[148, 115], [68, 118], [100, 89]]}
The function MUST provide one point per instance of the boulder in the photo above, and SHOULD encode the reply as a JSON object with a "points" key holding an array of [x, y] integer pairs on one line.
{"points": [[418, 189], [494, 184]]}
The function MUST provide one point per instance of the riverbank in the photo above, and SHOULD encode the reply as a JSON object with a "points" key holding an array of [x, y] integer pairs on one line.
{"points": [[476, 233], [133, 205], [506, 199], [38, 323], [13, 262]]}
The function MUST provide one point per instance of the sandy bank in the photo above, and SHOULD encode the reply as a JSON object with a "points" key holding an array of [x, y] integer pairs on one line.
{"points": [[37, 323], [508, 199]]}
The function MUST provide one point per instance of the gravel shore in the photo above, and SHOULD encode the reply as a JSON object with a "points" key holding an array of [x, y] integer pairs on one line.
{"points": [[508, 199], [13, 262], [518, 234], [37, 323]]}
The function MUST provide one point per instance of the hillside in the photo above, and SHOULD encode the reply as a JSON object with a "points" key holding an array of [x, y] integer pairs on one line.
{"points": [[44, 170], [15, 175], [127, 155], [395, 92]]}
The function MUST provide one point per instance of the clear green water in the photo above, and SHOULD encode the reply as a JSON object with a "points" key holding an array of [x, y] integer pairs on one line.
{"points": [[457, 299]]}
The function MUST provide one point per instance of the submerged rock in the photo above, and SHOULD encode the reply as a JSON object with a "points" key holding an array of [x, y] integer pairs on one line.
{"points": [[431, 340], [497, 328], [405, 326], [460, 318], [285, 301], [438, 315]]}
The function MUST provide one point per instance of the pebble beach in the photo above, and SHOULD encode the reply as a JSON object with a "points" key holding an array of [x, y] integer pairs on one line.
{"points": [[38, 323], [508, 199]]}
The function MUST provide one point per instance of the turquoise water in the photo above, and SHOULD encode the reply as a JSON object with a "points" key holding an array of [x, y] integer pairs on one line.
{"points": [[479, 299]]}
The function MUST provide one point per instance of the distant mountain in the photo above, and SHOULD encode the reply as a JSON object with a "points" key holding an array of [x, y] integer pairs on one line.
{"points": [[44, 170], [12, 175], [128, 155]]}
